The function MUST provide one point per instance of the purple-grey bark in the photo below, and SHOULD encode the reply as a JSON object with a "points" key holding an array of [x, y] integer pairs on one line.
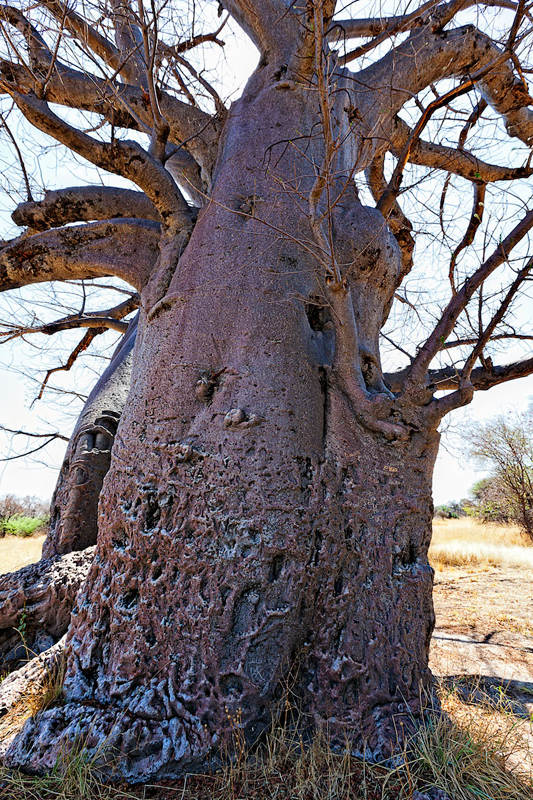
{"points": [[264, 524], [74, 509], [267, 511]]}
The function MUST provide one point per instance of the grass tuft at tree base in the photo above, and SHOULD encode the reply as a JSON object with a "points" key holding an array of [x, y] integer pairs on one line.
{"points": [[468, 752]]}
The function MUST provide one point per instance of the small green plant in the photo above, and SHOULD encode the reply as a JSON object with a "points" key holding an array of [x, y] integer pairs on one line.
{"points": [[25, 526]]}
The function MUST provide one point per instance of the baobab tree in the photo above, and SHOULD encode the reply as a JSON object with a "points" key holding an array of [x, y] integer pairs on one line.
{"points": [[267, 508]]}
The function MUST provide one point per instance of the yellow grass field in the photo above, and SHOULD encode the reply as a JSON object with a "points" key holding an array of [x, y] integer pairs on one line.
{"points": [[466, 542], [16, 552]]}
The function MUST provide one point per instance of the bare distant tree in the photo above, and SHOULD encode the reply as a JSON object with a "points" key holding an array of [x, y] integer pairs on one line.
{"points": [[505, 445], [266, 507]]}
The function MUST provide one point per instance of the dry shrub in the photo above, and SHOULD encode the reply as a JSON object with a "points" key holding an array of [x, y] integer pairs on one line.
{"points": [[476, 749]]}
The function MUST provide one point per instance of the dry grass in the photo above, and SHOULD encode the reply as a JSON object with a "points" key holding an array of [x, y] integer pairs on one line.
{"points": [[466, 753], [466, 542], [477, 749], [17, 552]]}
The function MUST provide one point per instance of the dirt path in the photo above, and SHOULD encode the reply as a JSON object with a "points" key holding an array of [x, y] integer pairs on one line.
{"points": [[484, 623], [483, 643]]}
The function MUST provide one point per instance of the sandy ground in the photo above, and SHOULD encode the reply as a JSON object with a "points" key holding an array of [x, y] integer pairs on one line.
{"points": [[484, 623], [16, 552], [482, 646]]}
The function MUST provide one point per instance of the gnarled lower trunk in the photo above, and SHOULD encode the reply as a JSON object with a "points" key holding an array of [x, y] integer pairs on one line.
{"points": [[255, 522], [36, 601]]}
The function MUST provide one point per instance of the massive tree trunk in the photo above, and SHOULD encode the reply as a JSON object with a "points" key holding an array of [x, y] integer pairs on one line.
{"points": [[253, 517], [266, 515]]}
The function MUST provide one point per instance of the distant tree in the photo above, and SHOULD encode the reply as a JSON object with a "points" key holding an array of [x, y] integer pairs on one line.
{"points": [[30, 508], [10, 506], [452, 510], [505, 443], [489, 501]]}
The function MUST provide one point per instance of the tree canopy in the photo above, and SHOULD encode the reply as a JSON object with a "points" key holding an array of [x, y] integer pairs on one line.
{"points": [[147, 87]]}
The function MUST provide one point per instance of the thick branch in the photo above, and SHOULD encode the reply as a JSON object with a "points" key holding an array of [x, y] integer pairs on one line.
{"points": [[380, 90], [84, 204], [373, 26], [86, 34], [126, 249], [124, 158], [272, 25], [129, 40], [399, 224], [37, 47], [458, 161], [481, 378], [73, 89]]}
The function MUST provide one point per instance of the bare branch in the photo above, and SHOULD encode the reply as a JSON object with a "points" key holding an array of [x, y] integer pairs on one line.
{"points": [[129, 40], [124, 158], [470, 233], [483, 378], [386, 201], [461, 299], [454, 160], [485, 336], [497, 337], [127, 249], [110, 319], [420, 61], [89, 36], [448, 378], [50, 435], [399, 24], [269, 24], [198, 39], [342, 29], [84, 204], [117, 102], [71, 360], [14, 142], [38, 49]]}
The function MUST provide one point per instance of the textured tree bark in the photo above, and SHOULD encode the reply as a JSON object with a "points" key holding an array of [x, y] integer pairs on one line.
{"points": [[41, 596], [74, 509], [256, 516], [35, 605]]}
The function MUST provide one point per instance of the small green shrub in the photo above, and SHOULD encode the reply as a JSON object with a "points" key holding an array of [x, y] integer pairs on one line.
{"points": [[25, 526]]}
